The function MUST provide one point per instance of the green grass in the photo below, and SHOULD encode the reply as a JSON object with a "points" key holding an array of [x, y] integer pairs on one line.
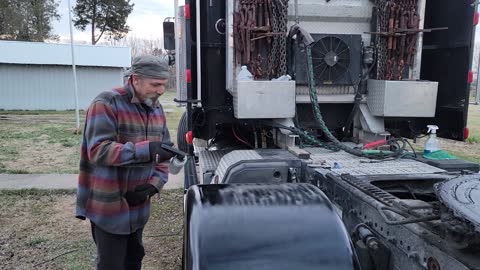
{"points": [[473, 122], [82, 258], [36, 240], [3, 169], [53, 133], [462, 155], [473, 139], [51, 238], [34, 192], [38, 112], [55, 128], [173, 113]]}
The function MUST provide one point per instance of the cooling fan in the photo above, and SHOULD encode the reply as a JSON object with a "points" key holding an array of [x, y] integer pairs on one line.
{"points": [[331, 59], [336, 60]]}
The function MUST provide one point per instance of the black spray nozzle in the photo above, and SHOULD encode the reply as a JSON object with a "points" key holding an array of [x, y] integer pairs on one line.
{"points": [[177, 152]]}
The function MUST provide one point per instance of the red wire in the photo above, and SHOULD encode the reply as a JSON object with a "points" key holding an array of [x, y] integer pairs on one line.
{"points": [[238, 138]]}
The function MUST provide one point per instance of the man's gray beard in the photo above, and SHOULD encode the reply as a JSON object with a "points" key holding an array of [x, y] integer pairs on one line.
{"points": [[149, 102]]}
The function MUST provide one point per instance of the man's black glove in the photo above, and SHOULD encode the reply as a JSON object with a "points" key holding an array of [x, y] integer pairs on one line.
{"points": [[157, 153], [140, 194]]}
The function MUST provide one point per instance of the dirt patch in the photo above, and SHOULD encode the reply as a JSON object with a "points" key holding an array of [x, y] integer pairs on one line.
{"points": [[35, 228], [43, 157], [44, 142]]}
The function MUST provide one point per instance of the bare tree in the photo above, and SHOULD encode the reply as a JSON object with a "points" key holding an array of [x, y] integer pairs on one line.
{"points": [[142, 46]]}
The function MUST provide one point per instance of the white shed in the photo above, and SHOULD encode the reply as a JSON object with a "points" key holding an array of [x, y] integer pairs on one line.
{"points": [[38, 76]]}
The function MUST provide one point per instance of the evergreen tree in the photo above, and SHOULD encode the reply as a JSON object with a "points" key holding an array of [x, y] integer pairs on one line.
{"points": [[28, 20], [107, 17]]}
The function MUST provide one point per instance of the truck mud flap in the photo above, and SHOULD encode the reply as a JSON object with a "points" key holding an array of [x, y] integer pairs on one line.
{"points": [[267, 226]]}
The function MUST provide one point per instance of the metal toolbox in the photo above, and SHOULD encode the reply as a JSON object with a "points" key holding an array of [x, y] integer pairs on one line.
{"points": [[264, 99], [402, 98]]}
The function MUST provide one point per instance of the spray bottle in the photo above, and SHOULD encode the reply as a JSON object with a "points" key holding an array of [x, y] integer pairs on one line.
{"points": [[432, 144], [244, 74]]}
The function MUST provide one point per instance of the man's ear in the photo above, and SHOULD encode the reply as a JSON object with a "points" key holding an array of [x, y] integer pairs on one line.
{"points": [[135, 79]]}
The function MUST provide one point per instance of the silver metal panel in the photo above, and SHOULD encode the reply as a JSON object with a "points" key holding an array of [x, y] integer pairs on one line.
{"points": [[376, 97], [40, 53], [264, 99], [326, 99], [417, 64], [402, 98], [232, 158], [209, 159], [199, 53], [230, 65], [42, 87], [347, 28], [180, 55], [334, 17], [326, 90], [372, 123], [199, 145], [349, 164]]}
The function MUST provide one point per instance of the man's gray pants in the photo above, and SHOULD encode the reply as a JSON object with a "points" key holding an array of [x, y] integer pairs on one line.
{"points": [[118, 252]]}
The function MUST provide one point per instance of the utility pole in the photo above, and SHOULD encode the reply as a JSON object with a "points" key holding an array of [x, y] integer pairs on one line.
{"points": [[74, 69], [477, 88]]}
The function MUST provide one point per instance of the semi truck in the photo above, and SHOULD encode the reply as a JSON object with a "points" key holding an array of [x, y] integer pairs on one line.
{"points": [[296, 127]]}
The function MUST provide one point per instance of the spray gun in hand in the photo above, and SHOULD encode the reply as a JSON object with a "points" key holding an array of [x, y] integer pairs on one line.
{"points": [[163, 151], [177, 161]]}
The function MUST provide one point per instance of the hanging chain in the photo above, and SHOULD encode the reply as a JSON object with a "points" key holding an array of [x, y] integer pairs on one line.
{"points": [[397, 34], [260, 29], [282, 69], [272, 58], [382, 26], [277, 60]]}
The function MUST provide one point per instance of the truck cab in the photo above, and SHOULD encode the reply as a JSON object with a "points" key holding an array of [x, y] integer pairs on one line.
{"points": [[320, 118]]}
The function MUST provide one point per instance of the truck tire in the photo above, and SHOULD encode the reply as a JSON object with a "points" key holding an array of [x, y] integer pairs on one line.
{"points": [[181, 132]]}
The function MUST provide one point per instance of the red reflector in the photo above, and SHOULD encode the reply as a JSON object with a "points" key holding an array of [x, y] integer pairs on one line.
{"points": [[188, 75], [187, 11], [466, 133], [470, 76], [189, 137], [476, 17]]}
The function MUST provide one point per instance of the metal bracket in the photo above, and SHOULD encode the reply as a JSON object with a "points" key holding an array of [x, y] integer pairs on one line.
{"points": [[382, 209]]}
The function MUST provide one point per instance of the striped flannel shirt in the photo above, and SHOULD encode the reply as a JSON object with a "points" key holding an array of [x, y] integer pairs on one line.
{"points": [[115, 159]]}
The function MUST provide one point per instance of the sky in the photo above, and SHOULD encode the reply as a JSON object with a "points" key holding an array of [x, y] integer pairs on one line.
{"points": [[145, 21]]}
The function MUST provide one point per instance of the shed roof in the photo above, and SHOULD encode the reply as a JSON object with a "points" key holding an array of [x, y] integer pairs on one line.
{"points": [[38, 53]]}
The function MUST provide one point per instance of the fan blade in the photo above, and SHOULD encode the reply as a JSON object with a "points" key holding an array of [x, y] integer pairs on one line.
{"points": [[343, 66], [322, 63], [317, 53], [323, 44], [320, 75], [335, 73], [338, 45], [342, 51]]}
